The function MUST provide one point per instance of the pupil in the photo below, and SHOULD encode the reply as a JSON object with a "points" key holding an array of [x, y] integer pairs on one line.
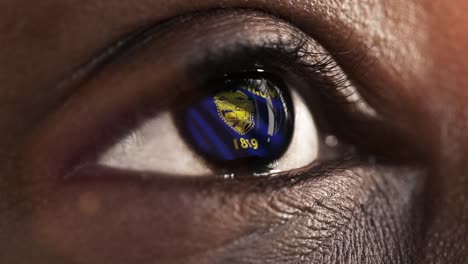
{"points": [[246, 120]]}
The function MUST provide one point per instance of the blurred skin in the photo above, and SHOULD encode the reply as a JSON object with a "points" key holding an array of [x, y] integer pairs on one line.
{"points": [[415, 74]]}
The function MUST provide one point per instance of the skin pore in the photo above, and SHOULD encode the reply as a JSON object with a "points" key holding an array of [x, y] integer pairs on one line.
{"points": [[412, 74]]}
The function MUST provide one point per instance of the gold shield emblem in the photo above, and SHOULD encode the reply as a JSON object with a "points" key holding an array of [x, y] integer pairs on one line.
{"points": [[236, 109]]}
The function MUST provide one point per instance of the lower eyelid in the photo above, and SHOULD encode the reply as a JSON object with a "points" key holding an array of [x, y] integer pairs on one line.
{"points": [[183, 213]]}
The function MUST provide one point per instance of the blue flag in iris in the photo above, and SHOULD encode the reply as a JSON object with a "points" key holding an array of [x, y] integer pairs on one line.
{"points": [[244, 121]]}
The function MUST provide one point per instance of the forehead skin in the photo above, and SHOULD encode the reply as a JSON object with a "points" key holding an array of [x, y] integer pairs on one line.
{"points": [[418, 52]]}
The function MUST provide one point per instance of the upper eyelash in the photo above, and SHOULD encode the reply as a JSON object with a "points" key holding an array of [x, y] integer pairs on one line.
{"points": [[340, 83], [323, 70]]}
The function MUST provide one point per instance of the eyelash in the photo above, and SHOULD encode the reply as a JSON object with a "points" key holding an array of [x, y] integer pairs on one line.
{"points": [[325, 77]]}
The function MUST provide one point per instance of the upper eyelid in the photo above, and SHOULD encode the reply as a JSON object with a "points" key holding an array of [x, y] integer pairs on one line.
{"points": [[273, 33], [130, 43], [128, 40], [136, 38]]}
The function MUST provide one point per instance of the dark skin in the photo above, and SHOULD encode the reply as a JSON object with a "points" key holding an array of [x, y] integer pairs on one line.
{"points": [[413, 74]]}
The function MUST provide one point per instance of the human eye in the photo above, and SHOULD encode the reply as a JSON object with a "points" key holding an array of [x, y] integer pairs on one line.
{"points": [[248, 124], [232, 103]]}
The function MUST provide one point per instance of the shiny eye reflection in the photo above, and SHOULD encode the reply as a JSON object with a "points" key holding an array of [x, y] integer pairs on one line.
{"points": [[246, 122], [245, 125]]}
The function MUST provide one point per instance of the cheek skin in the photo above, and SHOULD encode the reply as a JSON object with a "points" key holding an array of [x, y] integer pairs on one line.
{"points": [[317, 220]]}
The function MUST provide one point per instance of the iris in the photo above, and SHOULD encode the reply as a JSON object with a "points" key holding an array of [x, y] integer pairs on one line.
{"points": [[244, 120]]}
